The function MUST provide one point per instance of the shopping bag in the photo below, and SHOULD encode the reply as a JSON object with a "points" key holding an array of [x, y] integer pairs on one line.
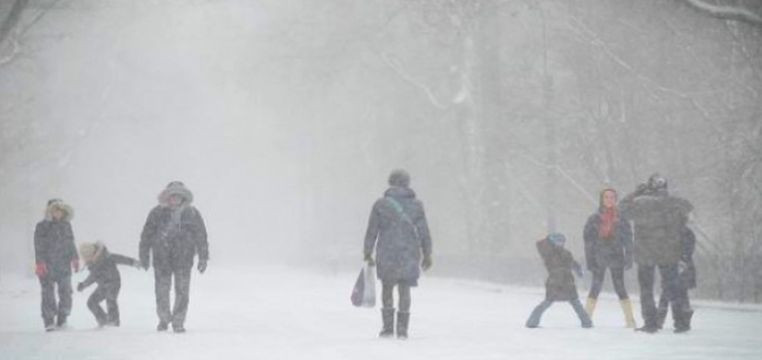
{"points": [[364, 291]]}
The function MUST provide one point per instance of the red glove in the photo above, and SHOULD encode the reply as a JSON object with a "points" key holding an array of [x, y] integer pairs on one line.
{"points": [[41, 270], [75, 265]]}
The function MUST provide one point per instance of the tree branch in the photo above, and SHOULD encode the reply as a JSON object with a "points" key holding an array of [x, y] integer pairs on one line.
{"points": [[727, 12]]}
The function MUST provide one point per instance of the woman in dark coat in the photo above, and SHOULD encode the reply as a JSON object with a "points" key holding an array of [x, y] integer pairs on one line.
{"points": [[608, 245], [398, 231], [560, 284], [55, 256]]}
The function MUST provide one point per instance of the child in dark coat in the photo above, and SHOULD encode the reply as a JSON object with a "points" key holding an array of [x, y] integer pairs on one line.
{"points": [[103, 271], [560, 285]]}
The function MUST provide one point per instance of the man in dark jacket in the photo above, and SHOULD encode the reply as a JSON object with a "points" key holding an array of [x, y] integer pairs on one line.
{"points": [[659, 220], [399, 233], [174, 232], [560, 284], [104, 273], [686, 281], [55, 256]]}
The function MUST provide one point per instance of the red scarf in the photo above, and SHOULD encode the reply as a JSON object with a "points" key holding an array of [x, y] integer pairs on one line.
{"points": [[609, 218]]}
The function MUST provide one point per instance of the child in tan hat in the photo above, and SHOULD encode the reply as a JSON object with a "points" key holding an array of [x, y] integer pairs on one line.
{"points": [[103, 271]]}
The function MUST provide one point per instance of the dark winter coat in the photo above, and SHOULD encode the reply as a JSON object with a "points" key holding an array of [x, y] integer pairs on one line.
{"points": [[688, 276], [103, 270], [54, 246], [559, 262], [659, 220], [398, 230], [607, 253], [174, 245]]}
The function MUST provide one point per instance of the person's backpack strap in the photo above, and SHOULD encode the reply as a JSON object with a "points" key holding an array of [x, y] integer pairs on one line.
{"points": [[403, 215]]}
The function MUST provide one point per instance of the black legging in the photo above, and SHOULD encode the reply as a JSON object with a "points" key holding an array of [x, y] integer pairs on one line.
{"points": [[617, 277], [387, 296]]}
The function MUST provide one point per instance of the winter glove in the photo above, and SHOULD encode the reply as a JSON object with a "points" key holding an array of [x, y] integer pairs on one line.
{"points": [[80, 287], [75, 265], [426, 263], [144, 264], [41, 270], [369, 259], [138, 265], [202, 266]]}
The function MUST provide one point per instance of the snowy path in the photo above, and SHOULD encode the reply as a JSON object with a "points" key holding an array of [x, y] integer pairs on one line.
{"points": [[278, 313]]}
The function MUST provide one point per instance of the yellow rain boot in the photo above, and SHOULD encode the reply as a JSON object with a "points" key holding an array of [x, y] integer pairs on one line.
{"points": [[627, 309], [590, 306]]}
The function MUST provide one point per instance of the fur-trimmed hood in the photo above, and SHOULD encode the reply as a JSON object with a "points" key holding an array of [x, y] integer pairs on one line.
{"points": [[91, 253], [58, 204], [175, 188]]}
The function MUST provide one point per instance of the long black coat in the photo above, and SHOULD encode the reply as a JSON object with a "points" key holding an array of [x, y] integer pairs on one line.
{"points": [[174, 245], [612, 253], [659, 220], [103, 270], [399, 234], [54, 246], [559, 262]]}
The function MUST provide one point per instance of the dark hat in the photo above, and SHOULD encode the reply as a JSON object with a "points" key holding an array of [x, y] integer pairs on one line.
{"points": [[399, 178], [657, 182]]}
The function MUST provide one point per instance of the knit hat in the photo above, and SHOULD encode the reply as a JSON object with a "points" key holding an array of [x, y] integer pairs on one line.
{"points": [[656, 182], [175, 188], [557, 239], [399, 178]]}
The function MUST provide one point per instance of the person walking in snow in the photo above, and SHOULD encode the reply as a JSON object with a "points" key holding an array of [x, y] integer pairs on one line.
{"points": [[55, 256], [608, 246], [560, 284], [687, 281], [659, 219], [174, 233], [398, 232], [104, 273]]}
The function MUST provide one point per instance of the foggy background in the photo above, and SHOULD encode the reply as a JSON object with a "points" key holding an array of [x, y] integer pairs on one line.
{"points": [[285, 117]]}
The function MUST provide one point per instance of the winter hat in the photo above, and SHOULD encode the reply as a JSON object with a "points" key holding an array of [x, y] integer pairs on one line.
{"points": [[657, 182], [175, 188], [58, 204], [399, 178], [90, 252], [557, 239]]}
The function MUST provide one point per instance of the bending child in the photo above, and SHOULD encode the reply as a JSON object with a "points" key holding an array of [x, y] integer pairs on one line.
{"points": [[103, 271]]}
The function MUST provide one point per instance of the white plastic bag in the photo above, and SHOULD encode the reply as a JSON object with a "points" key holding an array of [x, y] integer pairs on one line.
{"points": [[364, 291]]}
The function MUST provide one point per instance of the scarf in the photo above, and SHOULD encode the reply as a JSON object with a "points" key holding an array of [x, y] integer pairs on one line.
{"points": [[609, 218]]}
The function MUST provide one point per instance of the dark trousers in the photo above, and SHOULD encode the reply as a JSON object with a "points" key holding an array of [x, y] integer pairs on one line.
{"points": [[617, 277], [109, 293], [536, 316], [163, 278], [663, 308], [670, 287], [50, 307], [387, 296]]}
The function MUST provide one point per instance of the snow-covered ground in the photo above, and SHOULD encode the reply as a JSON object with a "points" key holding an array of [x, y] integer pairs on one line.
{"points": [[281, 313]]}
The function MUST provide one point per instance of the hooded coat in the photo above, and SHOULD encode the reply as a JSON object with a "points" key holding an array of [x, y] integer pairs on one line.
{"points": [[174, 234], [398, 230], [659, 220], [54, 241], [559, 262]]}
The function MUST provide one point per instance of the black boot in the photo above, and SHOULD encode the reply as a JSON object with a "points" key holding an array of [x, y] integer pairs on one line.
{"points": [[683, 322], [650, 325], [403, 320], [49, 325], [61, 321], [661, 315], [163, 326], [387, 316]]}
